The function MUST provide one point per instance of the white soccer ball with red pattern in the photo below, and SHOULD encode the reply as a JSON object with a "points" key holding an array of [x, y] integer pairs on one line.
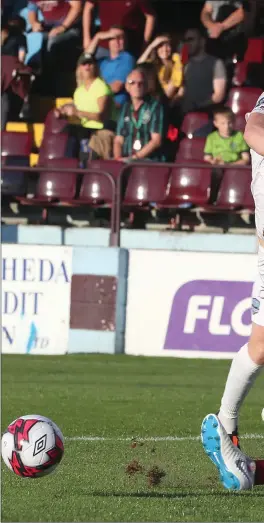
{"points": [[32, 446]]}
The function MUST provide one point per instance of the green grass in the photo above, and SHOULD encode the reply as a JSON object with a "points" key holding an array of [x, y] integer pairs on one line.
{"points": [[115, 397]]}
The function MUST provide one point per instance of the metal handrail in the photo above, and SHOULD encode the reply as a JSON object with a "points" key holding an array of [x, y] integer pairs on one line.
{"points": [[117, 184], [76, 170]]}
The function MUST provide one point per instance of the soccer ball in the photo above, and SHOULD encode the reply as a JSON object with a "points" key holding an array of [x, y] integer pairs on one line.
{"points": [[32, 446]]}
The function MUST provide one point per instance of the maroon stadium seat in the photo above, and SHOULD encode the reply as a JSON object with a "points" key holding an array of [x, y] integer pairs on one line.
{"points": [[16, 144], [243, 99], [14, 183], [54, 187], [15, 150], [191, 150], [112, 167], [54, 125], [189, 185], [255, 50], [192, 122], [240, 73], [96, 189], [146, 184], [240, 122], [53, 146], [235, 192]]}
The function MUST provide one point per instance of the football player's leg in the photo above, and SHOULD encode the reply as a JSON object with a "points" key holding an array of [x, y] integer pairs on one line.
{"points": [[249, 361], [237, 471]]}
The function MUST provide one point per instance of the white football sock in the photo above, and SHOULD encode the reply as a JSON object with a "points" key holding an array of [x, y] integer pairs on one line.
{"points": [[241, 377]]}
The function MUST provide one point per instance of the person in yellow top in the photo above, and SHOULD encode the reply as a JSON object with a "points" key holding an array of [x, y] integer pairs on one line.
{"points": [[92, 99], [168, 64]]}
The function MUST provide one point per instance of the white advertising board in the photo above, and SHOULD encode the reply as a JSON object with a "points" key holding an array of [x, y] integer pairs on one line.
{"points": [[188, 304], [36, 293]]}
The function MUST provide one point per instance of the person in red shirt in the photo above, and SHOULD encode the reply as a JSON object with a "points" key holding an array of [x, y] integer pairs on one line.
{"points": [[135, 16], [58, 16], [58, 21]]}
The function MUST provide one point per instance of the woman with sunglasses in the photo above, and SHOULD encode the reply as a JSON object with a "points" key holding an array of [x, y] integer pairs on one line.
{"points": [[92, 109], [168, 64]]}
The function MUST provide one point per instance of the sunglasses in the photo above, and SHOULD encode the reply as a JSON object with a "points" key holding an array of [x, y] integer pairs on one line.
{"points": [[189, 39], [134, 82]]}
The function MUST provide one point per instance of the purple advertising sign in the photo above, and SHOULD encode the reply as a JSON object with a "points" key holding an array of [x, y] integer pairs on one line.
{"points": [[210, 315]]}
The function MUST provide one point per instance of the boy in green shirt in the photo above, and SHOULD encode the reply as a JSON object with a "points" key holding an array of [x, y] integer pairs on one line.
{"points": [[225, 145]]}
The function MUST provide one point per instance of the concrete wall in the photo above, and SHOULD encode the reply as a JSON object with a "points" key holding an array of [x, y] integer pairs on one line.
{"points": [[131, 239]]}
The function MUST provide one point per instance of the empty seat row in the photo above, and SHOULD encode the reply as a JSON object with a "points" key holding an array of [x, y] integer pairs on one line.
{"points": [[165, 185]]}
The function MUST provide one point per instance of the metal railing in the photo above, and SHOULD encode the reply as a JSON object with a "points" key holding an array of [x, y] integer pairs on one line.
{"points": [[116, 184], [51, 169]]}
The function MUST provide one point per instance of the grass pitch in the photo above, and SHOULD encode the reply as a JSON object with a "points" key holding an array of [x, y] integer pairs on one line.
{"points": [[119, 398]]}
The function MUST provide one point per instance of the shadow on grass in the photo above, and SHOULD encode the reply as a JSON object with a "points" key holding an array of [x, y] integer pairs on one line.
{"points": [[171, 495]]}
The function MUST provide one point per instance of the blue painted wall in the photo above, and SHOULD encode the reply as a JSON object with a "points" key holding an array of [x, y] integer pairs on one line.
{"points": [[131, 239]]}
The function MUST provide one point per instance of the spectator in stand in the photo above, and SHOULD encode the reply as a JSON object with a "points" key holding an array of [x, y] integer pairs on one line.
{"points": [[204, 76], [140, 128], [135, 16], [224, 21], [116, 67], [59, 18], [13, 41], [168, 64], [225, 145], [92, 107]]}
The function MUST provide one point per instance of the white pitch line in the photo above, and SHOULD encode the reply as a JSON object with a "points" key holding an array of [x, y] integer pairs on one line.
{"points": [[154, 438]]}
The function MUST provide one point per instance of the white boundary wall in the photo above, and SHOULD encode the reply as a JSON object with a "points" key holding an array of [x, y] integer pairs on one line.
{"points": [[36, 294], [188, 304]]}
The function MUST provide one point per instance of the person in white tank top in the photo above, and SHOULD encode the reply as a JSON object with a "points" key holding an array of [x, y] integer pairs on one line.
{"points": [[220, 431]]}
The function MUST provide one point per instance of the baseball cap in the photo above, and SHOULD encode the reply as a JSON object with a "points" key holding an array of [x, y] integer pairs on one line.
{"points": [[86, 58]]}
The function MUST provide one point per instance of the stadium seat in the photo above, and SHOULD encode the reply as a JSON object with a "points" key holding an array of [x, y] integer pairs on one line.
{"points": [[235, 192], [240, 122], [96, 189], [189, 185], [243, 99], [16, 144], [192, 122], [15, 150], [59, 102], [38, 130], [53, 146], [23, 127], [56, 187], [240, 73], [54, 125], [33, 159], [14, 183], [146, 184], [112, 167], [255, 51], [191, 150]]}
